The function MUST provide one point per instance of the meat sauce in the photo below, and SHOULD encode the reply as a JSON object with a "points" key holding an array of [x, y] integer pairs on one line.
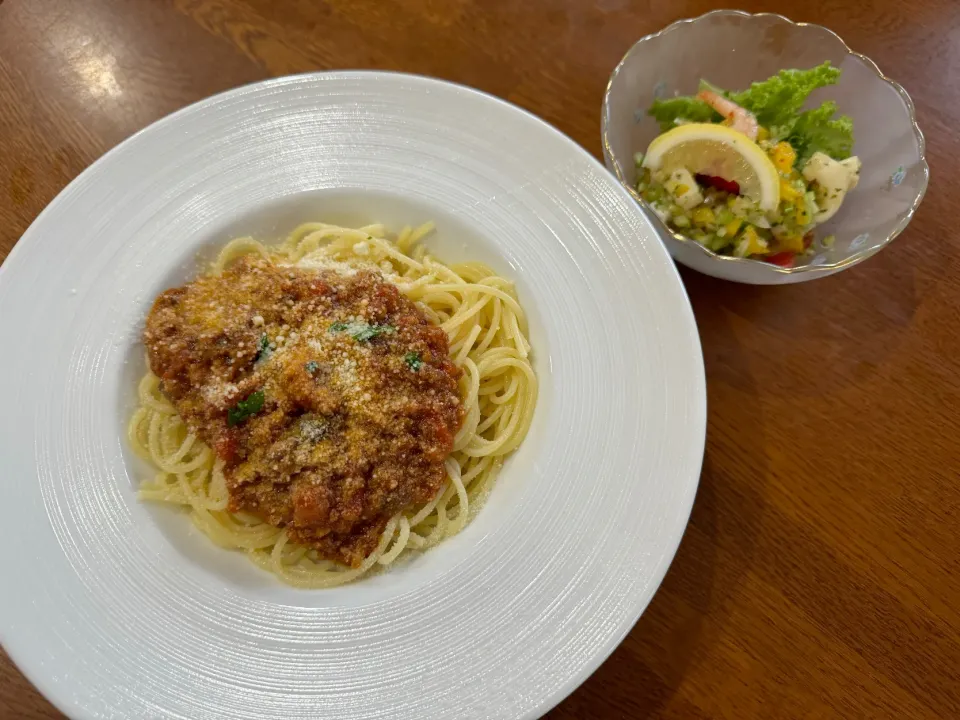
{"points": [[330, 397]]}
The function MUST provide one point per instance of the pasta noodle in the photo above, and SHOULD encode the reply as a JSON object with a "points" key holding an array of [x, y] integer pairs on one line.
{"points": [[487, 331]]}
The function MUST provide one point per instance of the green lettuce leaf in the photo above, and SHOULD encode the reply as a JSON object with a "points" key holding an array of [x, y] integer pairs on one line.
{"points": [[777, 104], [817, 130], [673, 110]]}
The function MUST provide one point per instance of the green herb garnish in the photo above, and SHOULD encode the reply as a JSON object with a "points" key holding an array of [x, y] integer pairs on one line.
{"points": [[263, 349], [413, 360], [251, 405], [361, 331], [372, 331], [312, 367]]}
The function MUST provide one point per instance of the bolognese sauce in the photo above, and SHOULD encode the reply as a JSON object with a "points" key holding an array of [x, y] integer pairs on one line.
{"points": [[330, 398]]}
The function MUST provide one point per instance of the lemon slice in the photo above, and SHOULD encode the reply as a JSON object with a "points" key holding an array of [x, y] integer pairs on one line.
{"points": [[702, 148]]}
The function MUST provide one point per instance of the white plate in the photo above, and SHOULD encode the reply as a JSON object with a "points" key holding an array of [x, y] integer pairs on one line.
{"points": [[116, 609]]}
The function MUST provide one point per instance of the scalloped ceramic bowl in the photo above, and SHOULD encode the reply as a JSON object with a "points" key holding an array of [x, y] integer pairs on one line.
{"points": [[733, 49]]}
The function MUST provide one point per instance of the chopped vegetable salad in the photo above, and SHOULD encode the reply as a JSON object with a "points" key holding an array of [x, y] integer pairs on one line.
{"points": [[751, 173]]}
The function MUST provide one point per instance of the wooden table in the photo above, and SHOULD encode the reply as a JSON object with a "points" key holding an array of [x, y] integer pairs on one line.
{"points": [[820, 574]]}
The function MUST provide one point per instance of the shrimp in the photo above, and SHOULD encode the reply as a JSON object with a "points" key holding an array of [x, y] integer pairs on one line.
{"points": [[737, 117]]}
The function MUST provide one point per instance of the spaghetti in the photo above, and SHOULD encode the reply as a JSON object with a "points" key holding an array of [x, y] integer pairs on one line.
{"points": [[487, 332]]}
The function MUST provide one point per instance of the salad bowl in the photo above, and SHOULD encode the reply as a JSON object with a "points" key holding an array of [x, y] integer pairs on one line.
{"points": [[733, 49]]}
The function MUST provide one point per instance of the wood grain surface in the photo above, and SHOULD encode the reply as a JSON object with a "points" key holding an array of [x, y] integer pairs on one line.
{"points": [[820, 574]]}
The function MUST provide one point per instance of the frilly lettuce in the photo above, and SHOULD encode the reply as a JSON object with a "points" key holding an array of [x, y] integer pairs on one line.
{"points": [[817, 130], [777, 104], [674, 111]]}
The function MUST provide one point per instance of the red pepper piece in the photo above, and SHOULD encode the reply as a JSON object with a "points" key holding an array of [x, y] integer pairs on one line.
{"points": [[719, 183], [783, 259]]}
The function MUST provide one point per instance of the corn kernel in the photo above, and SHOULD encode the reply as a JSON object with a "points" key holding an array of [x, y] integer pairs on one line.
{"points": [[753, 244], [787, 191], [792, 243], [783, 156], [704, 216]]}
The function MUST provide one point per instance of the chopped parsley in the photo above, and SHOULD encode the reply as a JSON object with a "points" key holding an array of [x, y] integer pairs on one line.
{"points": [[312, 367], [251, 405], [372, 331], [361, 331], [413, 360], [263, 349]]}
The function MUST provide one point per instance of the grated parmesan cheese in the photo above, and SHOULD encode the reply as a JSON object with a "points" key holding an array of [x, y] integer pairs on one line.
{"points": [[219, 393], [347, 375], [317, 261]]}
